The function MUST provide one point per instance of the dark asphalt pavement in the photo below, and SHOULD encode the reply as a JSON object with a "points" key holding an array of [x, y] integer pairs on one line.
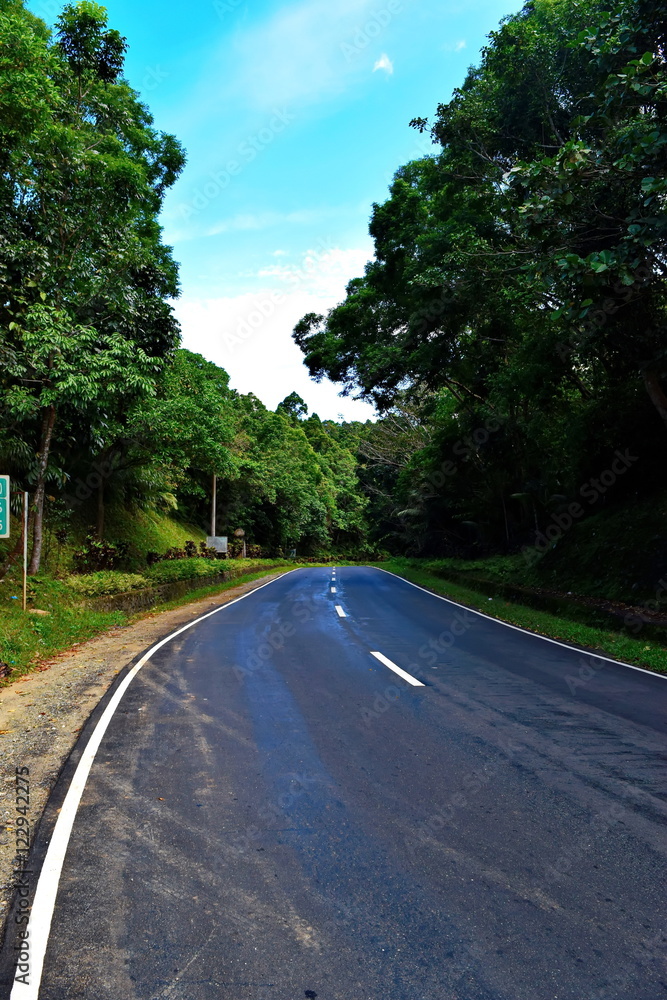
{"points": [[273, 814]]}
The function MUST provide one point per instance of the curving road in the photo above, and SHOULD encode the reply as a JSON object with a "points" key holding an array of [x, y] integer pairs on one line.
{"points": [[344, 787]]}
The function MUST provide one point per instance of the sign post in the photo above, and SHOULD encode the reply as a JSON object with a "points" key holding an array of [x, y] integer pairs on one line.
{"points": [[25, 551], [4, 507], [214, 502]]}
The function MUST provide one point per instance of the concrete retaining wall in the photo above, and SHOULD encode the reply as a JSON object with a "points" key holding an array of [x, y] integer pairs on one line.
{"points": [[140, 600]]}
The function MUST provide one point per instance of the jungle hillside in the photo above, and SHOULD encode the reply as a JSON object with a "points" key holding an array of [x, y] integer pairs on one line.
{"points": [[510, 328]]}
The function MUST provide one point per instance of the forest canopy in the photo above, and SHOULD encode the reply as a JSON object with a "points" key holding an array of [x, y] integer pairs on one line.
{"points": [[510, 327], [99, 404], [513, 320]]}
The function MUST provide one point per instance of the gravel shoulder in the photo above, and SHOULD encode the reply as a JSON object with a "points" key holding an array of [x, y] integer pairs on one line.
{"points": [[42, 713]]}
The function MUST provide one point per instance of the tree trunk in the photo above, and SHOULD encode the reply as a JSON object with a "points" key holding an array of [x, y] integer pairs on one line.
{"points": [[100, 510], [507, 529], [656, 393], [44, 451]]}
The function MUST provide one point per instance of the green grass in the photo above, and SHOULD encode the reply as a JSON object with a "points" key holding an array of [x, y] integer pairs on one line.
{"points": [[617, 645], [190, 569], [26, 638], [144, 531], [149, 531], [106, 582]]}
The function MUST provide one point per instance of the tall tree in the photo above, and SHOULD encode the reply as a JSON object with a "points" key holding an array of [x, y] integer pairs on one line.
{"points": [[85, 176]]}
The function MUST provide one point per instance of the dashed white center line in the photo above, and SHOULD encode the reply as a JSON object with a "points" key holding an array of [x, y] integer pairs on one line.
{"points": [[333, 590], [397, 670], [341, 613]]}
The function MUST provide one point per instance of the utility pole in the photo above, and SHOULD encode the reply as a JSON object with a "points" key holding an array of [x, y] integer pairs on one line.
{"points": [[213, 505]]}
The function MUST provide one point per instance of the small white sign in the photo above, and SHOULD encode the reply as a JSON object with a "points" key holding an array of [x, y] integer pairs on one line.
{"points": [[217, 542]]}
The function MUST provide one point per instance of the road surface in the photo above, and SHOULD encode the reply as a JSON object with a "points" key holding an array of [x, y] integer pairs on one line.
{"points": [[275, 813]]}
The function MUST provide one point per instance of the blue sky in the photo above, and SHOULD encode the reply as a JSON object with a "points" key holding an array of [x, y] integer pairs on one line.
{"points": [[294, 117]]}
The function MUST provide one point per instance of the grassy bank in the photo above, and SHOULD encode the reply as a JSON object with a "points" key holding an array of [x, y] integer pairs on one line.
{"points": [[618, 645], [617, 554]]}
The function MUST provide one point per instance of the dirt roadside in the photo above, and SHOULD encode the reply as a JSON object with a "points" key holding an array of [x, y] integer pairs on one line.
{"points": [[41, 714]]}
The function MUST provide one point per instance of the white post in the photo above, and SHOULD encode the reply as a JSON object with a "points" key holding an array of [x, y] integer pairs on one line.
{"points": [[25, 551], [213, 505]]}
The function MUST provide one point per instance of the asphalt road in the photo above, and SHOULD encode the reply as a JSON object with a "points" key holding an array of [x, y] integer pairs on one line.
{"points": [[275, 814]]}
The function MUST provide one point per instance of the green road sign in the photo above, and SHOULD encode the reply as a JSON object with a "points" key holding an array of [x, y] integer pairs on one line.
{"points": [[4, 506]]}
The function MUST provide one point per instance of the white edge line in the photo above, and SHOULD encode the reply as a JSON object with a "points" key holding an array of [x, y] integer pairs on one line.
{"points": [[39, 924], [397, 670], [525, 631], [340, 611]]}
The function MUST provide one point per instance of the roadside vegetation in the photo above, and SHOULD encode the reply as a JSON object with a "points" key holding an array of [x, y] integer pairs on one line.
{"points": [[615, 643], [513, 323], [511, 328]]}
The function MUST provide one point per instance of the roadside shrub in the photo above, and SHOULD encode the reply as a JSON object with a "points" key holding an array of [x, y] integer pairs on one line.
{"points": [[182, 569], [174, 553], [189, 569], [95, 555], [106, 582]]}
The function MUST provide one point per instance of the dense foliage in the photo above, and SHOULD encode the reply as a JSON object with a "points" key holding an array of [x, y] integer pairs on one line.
{"points": [[511, 327], [512, 324], [99, 405]]}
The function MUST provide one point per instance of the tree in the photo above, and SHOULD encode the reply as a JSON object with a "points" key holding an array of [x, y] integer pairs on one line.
{"points": [[60, 367], [519, 276], [293, 406], [85, 174], [597, 204]]}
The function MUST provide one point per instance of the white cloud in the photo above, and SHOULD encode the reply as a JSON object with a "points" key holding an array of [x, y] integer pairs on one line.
{"points": [[455, 46], [250, 335], [323, 272], [266, 220], [299, 54], [384, 63]]}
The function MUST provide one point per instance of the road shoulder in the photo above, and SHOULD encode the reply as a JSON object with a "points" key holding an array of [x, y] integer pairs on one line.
{"points": [[42, 713]]}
